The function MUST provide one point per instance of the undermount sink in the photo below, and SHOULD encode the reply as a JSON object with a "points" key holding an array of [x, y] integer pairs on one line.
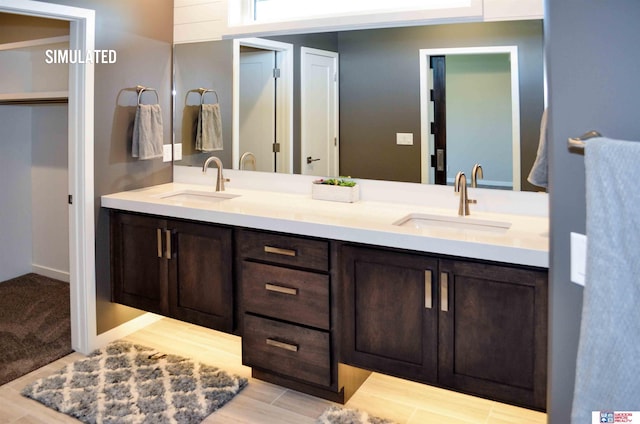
{"points": [[421, 220], [197, 196]]}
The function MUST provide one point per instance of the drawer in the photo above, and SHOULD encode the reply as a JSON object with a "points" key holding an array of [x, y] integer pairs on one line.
{"points": [[291, 295], [287, 349], [284, 249]]}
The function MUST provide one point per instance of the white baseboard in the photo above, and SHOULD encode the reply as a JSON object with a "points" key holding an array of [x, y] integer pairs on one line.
{"points": [[51, 272], [125, 329]]}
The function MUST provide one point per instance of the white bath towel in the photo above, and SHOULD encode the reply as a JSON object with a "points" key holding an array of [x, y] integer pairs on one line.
{"points": [[608, 361], [209, 129], [539, 171], [147, 132]]}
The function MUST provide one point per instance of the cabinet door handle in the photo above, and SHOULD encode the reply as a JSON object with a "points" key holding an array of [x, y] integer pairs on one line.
{"points": [[279, 251], [168, 246], [281, 289], [428, 289], [159, 241], [282, 345], [444, 292]]}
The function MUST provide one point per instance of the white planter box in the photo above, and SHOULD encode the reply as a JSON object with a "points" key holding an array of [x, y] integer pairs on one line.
{"points": [[335, 193]]}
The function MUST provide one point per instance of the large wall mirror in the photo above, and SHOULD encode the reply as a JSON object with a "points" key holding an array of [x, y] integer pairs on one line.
{"points": [[371, 125]]}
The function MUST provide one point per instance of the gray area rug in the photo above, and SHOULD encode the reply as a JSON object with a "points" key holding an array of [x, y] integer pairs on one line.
{"points": [[35, 324], [127, 383], [338, 415]]}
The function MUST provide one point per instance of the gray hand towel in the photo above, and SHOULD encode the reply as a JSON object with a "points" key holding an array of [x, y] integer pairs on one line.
{"points": [[209, 130], [540, 169], [147, 132], [608, 360]]}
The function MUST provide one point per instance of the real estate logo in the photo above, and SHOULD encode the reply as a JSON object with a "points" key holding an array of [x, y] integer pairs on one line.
{"points": [[79, 56], [614, 417]]}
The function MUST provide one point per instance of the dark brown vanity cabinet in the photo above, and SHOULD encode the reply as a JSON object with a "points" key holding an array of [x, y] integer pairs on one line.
{"points": [[390, 314], [288, 310], [468, 326], [174, 268]]}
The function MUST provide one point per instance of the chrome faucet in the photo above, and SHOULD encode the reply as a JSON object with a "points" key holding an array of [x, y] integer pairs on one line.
{"points": [[460, 185], [250, 157], [220, 180], [475, 173]]}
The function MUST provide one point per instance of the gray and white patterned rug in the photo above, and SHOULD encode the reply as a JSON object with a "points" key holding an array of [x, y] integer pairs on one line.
{"points": [[127, 383], [338, 415]]}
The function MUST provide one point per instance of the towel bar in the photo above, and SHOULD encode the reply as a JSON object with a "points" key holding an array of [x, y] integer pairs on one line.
{"points": [[140, 89], [577, 144]]}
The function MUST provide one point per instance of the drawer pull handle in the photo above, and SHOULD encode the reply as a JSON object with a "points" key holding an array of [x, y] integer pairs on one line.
{"points": [[428, 296], [280, 289], [159, 237], [282, 345], [279, 251], [168, 247], [444, 292]]}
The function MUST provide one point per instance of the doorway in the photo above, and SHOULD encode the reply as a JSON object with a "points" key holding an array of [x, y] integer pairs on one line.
{"points": [[263, 104], [469, 107], [319, 143], [80, 162], [258, 108]]}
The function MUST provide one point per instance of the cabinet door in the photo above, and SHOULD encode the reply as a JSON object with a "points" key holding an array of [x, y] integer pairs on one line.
{"points": [[493, 330], [139, 272], [200, 274], [390, 314]]}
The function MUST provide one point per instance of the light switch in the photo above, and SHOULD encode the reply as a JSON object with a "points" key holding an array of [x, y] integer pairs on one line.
{"points": [[578, 258], [166, 153], [405, 139], [177, 151]]}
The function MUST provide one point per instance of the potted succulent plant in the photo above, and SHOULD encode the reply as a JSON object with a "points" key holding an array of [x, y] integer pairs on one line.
{"points": [[340, 189]]}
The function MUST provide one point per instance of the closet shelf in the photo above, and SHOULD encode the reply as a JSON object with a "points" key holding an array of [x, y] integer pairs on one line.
{"points": [[33, 43], [35, 97]]}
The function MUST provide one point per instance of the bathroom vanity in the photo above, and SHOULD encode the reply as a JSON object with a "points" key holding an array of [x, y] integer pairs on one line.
{"points": [[323, 293]]}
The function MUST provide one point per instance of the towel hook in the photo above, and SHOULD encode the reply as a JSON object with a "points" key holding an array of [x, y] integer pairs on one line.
{"points": [[140, 89], [203, 91], [577, 143]]}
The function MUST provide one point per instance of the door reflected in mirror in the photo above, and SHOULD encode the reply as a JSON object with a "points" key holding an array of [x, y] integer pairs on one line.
{"points": [[378, 103]]}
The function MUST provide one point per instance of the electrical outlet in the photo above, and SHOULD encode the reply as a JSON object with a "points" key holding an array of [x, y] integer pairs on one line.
{"points": [[177, 151], [578, 258], [404, 139]]}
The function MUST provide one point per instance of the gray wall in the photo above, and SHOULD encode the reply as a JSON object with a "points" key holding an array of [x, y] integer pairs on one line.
{"points": [[141, 32], [591, 51], [206, 65], [50, 186], [15, 184], [379, 92]]}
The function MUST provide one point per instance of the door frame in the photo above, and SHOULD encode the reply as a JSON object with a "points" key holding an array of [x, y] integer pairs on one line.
{"points": [[426, 111], [334, 159], [82, 281], [284, 94]]}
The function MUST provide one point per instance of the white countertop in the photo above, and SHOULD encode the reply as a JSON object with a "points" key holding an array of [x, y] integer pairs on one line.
{"points": [[371, 222]]}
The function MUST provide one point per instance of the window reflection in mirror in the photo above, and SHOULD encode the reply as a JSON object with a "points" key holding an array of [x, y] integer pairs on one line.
{"points": [[379, 94]]}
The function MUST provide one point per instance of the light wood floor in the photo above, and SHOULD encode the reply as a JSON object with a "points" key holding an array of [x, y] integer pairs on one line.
{"points": [[263, 403]]}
